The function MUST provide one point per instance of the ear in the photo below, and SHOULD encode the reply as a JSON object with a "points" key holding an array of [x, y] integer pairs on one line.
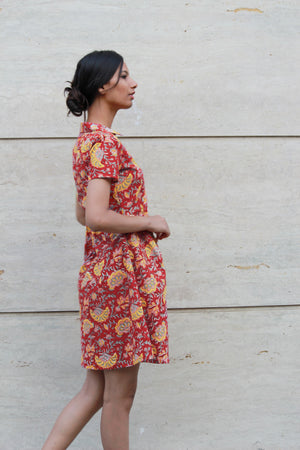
{"points": [[101, 90]]}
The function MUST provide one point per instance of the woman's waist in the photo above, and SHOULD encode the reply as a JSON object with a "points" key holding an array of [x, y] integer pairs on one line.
{"points": [[98, 244], [104, 236]]}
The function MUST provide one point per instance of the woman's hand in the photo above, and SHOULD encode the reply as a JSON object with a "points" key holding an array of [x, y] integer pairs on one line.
{"points": [[159, 226]]}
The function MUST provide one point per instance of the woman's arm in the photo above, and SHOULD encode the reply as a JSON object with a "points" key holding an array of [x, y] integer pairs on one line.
{"points": [[80, 213], [98, 216]]}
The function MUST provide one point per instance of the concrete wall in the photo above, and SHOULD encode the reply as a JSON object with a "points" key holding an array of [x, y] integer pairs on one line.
{"points": [[233, 206], [206, 68], [215, 127]]}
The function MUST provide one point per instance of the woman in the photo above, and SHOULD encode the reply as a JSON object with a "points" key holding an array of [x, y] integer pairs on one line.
{"points": [[122, 281]]}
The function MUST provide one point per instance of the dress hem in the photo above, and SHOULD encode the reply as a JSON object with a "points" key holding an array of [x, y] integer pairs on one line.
{"points": [[124, 365]]}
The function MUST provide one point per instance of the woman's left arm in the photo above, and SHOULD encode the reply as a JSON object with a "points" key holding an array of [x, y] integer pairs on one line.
{"points": [[80, 213]]}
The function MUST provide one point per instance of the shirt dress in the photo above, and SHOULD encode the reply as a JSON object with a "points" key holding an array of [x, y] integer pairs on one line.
{"points": [[122, 282]]}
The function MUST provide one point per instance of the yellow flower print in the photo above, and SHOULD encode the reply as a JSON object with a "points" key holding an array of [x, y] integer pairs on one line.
{"points": [[106, 361], [154, 350], [150, 285], [100, 315], [90, 349], [87, 326], [123, 326], [160, 333], [165, 294], [136, 311], [138, 191], [134, 240], [128, 265], [86, 147], [150, 247], [86, 279], [76, 150], [122, 303], [101, 342], [98, 268], [116, 279], [123, 185], [97, 155], [82, 268]]}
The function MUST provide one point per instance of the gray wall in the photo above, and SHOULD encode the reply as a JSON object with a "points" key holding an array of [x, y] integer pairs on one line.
{"points": [[215, 127]]}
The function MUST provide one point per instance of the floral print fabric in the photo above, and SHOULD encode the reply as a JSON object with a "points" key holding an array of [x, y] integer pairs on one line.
{"points": [[122, 287]]}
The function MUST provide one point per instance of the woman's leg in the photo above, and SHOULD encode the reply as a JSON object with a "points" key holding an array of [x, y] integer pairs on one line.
{"points": [[120, 387], [78, 412]]}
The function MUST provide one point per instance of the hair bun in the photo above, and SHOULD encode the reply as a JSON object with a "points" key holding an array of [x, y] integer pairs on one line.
{"points": [[76, 101]]}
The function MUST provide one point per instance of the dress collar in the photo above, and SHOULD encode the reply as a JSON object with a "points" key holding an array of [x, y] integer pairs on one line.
{"points": [[90, 127]]}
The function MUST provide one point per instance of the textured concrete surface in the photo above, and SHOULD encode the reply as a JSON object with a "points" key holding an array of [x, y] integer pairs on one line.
{"points": [[233, 206], [204, 68], [233, 382]]}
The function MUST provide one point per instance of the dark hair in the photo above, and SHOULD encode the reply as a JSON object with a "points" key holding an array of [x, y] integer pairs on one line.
{"points": [[92, 72]]}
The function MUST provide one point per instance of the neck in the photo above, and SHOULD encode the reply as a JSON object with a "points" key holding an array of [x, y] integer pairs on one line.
{"points": [[100, 112]]}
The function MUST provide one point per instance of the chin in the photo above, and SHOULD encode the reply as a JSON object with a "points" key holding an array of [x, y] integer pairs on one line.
{"points": [[126, 106]]}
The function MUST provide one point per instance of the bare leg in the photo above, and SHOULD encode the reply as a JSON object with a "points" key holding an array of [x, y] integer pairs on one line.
{"points": [[78, 412], [120, 387]]}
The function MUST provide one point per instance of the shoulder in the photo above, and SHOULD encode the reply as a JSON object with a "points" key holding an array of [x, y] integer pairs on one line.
{"points": [[87, 141], [106, 140]]}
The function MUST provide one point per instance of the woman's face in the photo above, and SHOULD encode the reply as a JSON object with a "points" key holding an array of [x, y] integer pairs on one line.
{"points": [[120, 95]]}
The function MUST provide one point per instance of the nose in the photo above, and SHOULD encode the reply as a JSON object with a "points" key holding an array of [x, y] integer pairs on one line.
{"points": [[133, 84]]}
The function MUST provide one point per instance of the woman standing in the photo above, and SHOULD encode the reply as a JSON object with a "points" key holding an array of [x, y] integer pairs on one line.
{"points": [[122, 281]]}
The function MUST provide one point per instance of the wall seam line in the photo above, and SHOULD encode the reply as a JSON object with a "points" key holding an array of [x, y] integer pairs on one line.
{"points": [[48, 138], [192, 309]]}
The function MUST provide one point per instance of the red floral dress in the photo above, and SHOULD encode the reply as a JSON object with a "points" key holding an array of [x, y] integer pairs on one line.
{"points": [[122, 287]]}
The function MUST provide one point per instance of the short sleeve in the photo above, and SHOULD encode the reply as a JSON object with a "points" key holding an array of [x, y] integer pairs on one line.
{"points": [[103, 161]]}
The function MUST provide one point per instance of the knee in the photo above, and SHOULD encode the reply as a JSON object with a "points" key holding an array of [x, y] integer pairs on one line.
{"points": [[120, 387], [123, 400]]}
